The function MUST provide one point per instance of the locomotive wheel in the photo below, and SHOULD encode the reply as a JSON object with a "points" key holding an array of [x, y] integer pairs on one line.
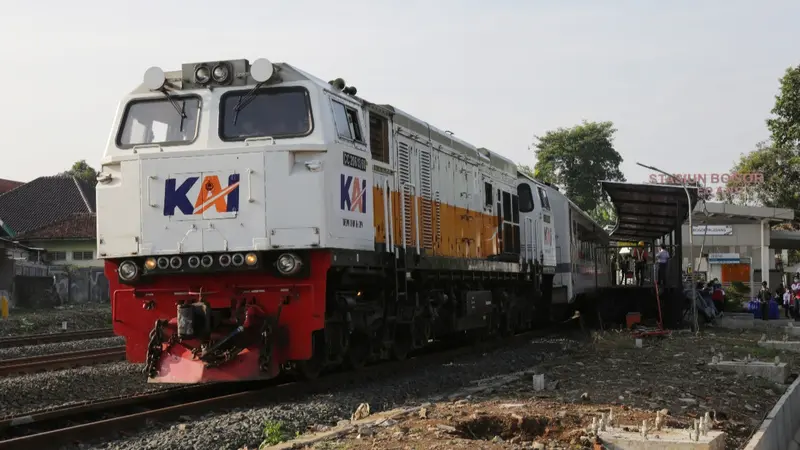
{"points": [[358, 351]]}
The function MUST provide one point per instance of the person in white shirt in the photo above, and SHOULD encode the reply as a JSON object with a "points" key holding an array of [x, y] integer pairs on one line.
{"points": [[662, 257], [795, 295], [787, 301]]}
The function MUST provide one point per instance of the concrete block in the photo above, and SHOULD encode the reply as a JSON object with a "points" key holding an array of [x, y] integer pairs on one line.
{"points": [[666, 439], [789, 346], [777, 373], [781, 424], [735, 323], [792, 331]]}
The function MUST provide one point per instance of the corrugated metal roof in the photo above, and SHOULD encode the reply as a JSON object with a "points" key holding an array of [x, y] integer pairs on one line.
{"points": [[648, 211]]}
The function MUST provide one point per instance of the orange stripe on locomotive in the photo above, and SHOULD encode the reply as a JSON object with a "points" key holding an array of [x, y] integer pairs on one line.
{"points": [[455, 231]]}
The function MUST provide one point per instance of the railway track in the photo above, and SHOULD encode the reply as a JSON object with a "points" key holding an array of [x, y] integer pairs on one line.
{"points": [[56, 361], [47, 338], [92, 421]]}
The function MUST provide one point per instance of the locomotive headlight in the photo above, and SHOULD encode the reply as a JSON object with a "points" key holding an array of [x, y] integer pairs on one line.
{"points": [[128, 270], [150, 263], [202, 75], [288, 264], [251, 259], [220, 73], [224, 260], [207, 261], [163, 262], [237, 259]]}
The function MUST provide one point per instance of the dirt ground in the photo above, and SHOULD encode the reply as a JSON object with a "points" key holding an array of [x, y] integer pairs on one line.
{"points": [[78, 317], [607, 373]]}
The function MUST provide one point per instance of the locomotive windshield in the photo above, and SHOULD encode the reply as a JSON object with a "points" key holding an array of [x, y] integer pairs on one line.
{"points": [[158, 121], [271, 112]]}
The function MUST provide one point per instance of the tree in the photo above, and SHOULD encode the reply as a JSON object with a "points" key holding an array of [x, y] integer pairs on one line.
{"points": [[777, 160], [784, 127], [83, 171], [604, 214], [576, 160], [526, 169]]}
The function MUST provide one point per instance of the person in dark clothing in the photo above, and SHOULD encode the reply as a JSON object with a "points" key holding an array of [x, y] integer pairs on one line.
{"points": [[640, 262], [764, 296]]}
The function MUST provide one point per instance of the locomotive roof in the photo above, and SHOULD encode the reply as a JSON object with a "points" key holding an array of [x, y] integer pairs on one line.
{"points": [[289, 73]]}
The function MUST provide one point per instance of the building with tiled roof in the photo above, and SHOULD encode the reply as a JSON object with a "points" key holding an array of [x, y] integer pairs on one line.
{"points": [[8, 185], [43, 201], [56, 214]]}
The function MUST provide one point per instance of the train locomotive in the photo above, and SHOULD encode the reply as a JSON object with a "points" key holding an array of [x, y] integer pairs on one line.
{"points": [[256, 220]]}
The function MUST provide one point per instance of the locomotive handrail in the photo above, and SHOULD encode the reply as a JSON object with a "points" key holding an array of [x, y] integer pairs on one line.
{"points": [[249, 186], [150, 202], [387, 216]]}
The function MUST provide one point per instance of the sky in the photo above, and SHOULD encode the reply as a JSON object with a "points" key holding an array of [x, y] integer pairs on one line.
{"points": [[687, 84]]}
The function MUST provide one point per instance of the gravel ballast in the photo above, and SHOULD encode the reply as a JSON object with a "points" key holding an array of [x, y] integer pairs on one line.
{"points": [[27, 351], [78, 317], [47, 390], [245, 427]]}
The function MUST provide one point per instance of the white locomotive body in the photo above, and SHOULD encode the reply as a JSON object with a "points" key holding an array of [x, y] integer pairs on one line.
{"points": [[359, 230]]}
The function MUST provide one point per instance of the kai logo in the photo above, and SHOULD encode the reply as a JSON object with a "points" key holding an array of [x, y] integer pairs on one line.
{"points": [[210, 195], [353, 194]]}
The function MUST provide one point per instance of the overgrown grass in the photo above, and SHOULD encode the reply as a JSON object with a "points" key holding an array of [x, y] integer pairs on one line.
{"points": [[273, 434]]}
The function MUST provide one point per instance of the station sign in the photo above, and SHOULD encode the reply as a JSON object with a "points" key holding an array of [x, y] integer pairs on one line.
{"points": [[712, 230], [724, 258]]}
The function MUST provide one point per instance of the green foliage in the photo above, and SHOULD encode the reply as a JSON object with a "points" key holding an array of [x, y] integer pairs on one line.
{"points": [[785, 125], [576, 159], [603, 214], [740, 288], [778, 159], [780, 167], [273, 433], [526, 169], [83, 171]]}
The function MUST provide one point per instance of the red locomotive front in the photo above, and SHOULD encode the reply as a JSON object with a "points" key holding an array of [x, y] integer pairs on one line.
{"points": [[257, 311]]}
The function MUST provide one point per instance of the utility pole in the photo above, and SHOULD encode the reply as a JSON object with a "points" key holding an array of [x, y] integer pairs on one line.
{"points": [[695, 326]]}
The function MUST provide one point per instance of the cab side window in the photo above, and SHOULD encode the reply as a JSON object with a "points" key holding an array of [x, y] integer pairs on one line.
{"points": [[379, 137], [544, 199], [347, 123], [525, 198]]}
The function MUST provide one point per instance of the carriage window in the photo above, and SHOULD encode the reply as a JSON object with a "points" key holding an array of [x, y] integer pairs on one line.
{"points": [[487, 194], [379, 138], [544, 199], [525, 198], [347, 124], [507, 207], [515, 208]]}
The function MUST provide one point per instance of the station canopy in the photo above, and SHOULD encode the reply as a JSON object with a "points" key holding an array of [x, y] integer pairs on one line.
{"points": [[648, 211]]}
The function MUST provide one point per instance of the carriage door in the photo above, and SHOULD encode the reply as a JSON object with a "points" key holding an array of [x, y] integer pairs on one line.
{"points": [[383, 180], [486, 244]]}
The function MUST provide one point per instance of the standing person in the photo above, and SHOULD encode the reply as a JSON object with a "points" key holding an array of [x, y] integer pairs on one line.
{"points": [[796, 297], [663, 258], [640, 261], [763, 297], [787, 302]]}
